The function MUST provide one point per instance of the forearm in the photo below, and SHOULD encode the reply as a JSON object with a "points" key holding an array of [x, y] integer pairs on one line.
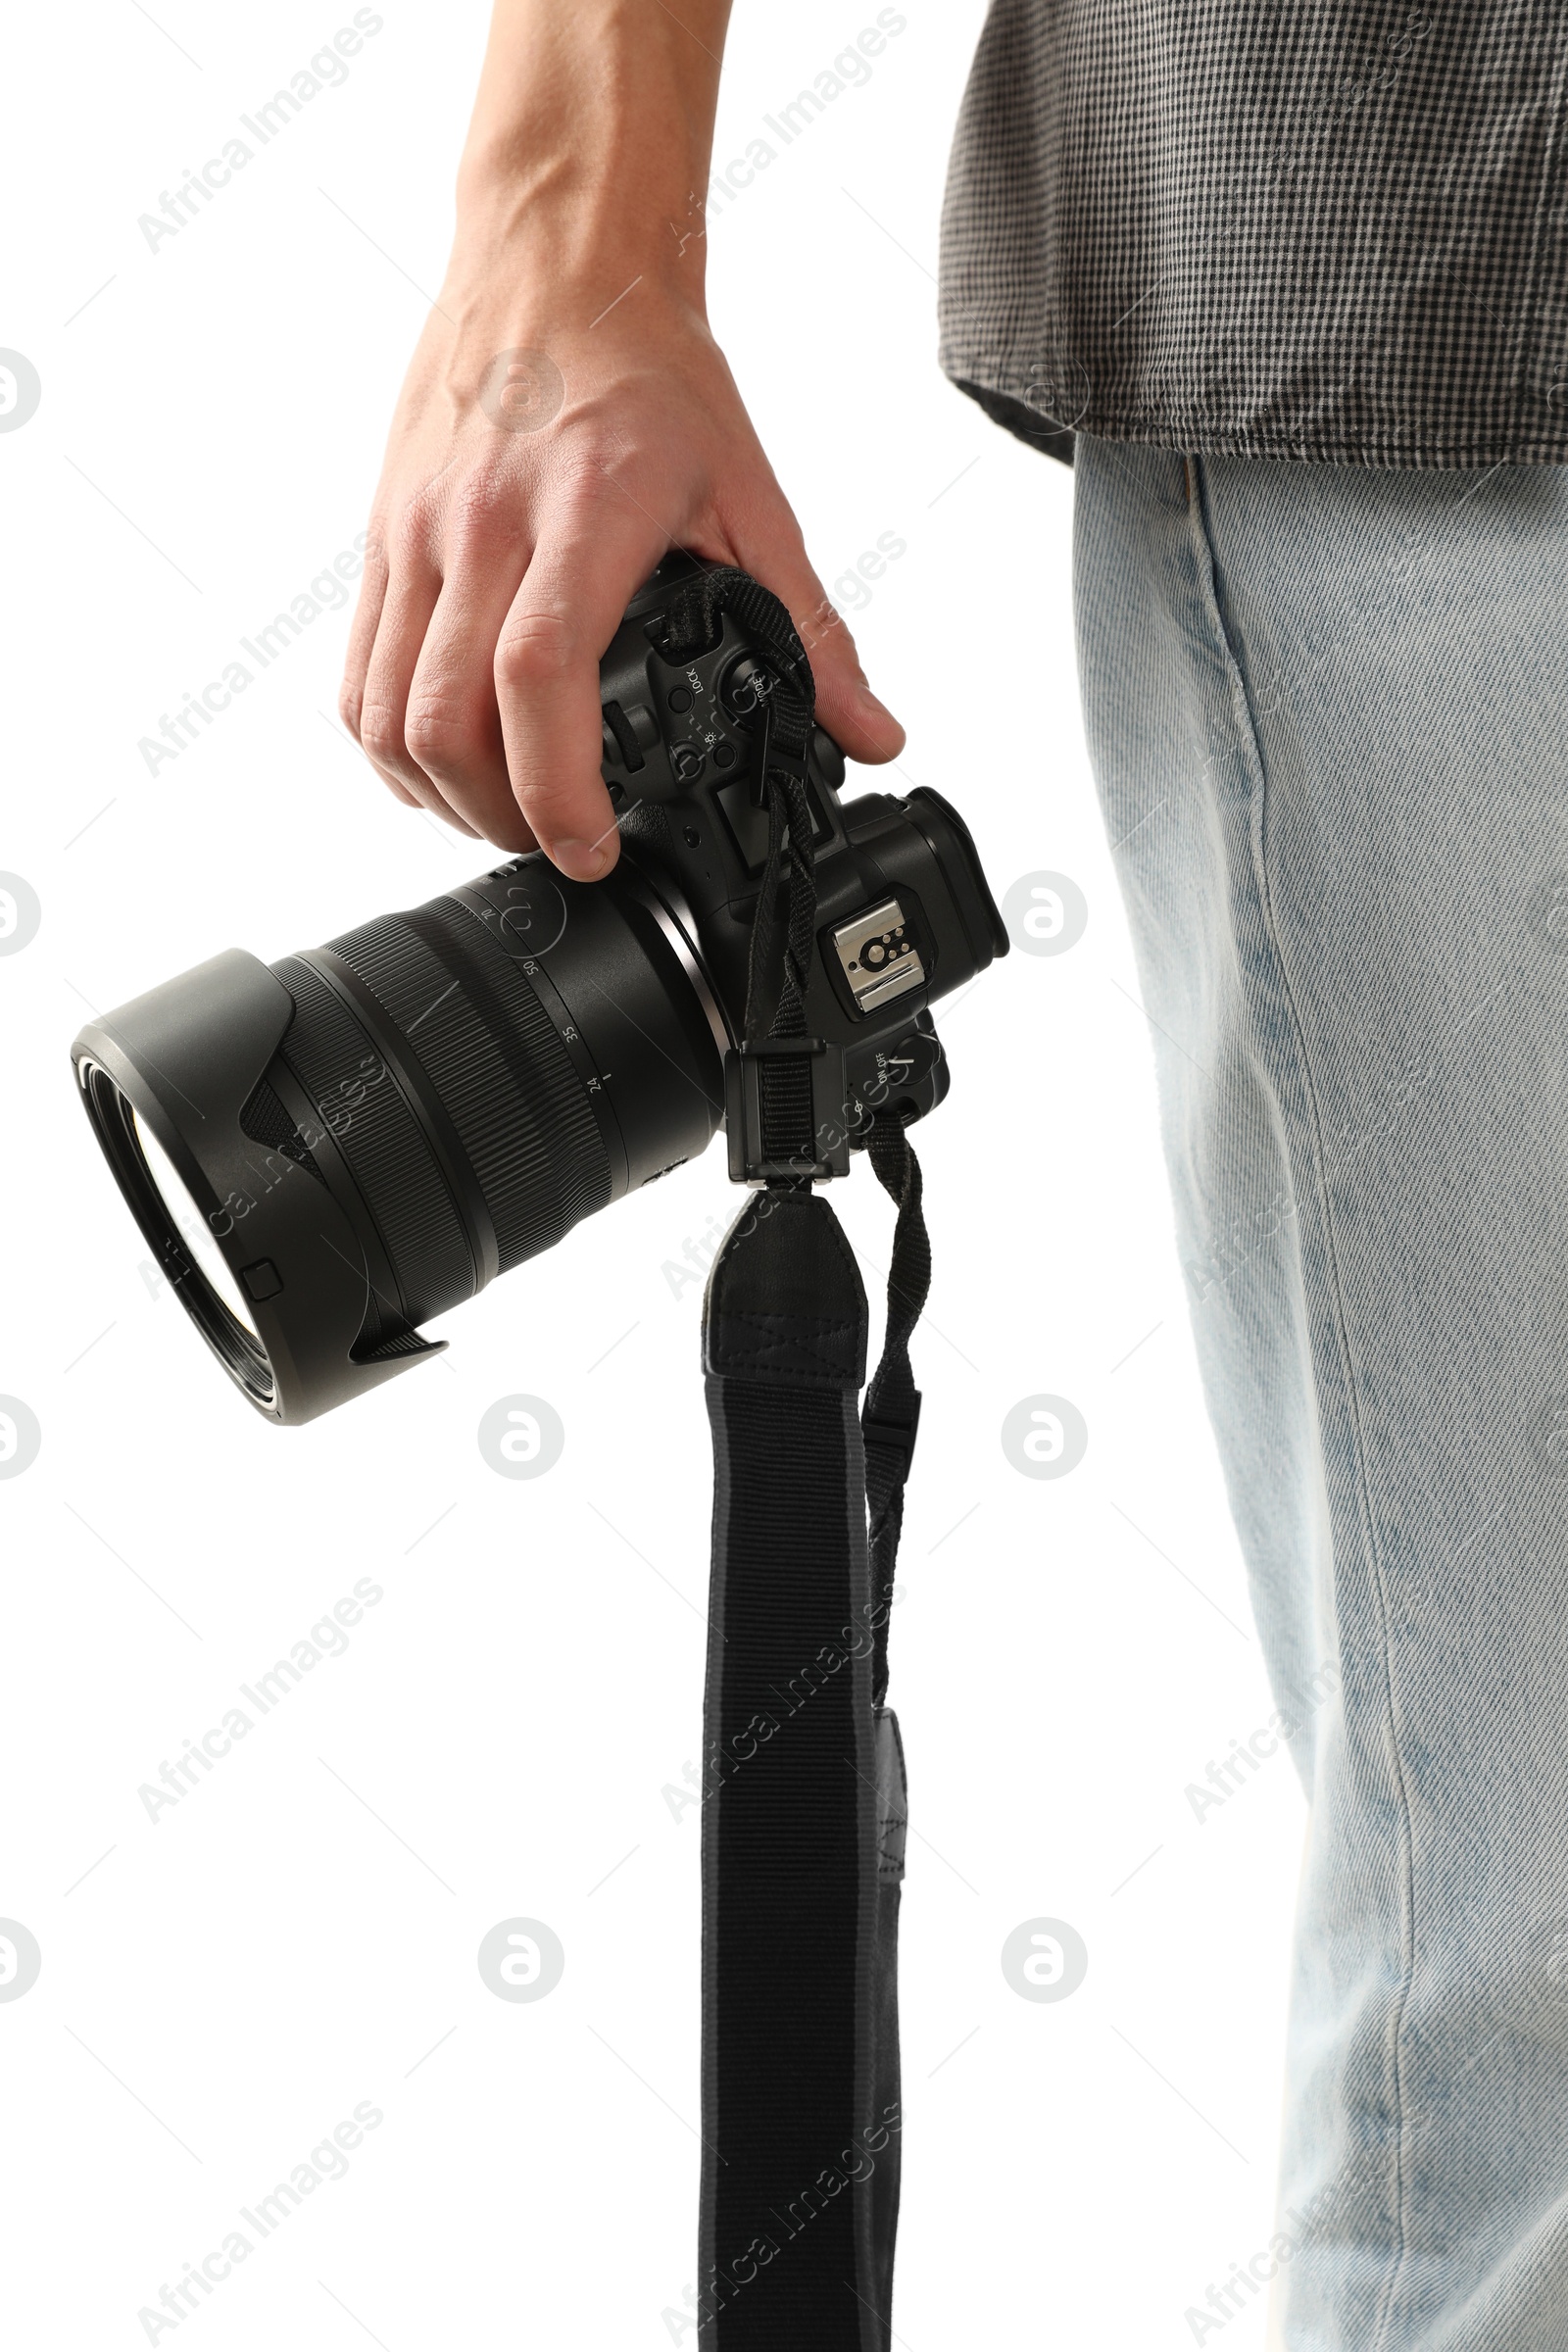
{"points": [[591, 140]]}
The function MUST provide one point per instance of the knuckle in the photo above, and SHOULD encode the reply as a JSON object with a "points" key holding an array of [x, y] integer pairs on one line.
{"points": [[535, 650], [350, 700], [583, 476], [442, 735], [590, 483], [487, 506], [414, 532], [381, 734], [545, 801]]}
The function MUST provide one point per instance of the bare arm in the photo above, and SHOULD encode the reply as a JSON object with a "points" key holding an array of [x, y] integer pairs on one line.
{"points": [[523, 499]]}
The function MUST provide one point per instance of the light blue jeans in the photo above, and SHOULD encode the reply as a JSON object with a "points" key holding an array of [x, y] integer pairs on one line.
{"points": [[1328, 712]]}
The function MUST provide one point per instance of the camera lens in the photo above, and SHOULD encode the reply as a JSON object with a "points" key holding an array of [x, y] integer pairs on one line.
{"points": [[326, 1152]]}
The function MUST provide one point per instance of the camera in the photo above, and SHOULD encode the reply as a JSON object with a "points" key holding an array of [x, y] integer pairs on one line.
{"points": [[324, 1153]]}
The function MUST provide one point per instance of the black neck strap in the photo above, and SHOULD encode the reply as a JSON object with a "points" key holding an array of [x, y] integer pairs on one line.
{"points": [[790, 1822], [804, 1804]]}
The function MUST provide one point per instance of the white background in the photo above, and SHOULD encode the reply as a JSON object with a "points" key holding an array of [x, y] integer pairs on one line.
{"points": [[298, 1934]]}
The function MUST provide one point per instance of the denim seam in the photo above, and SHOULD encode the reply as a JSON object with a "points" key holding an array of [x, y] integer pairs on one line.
{"points": [[1251, 746]]}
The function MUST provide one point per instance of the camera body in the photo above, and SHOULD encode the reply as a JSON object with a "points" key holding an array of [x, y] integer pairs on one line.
{"points": [[900, 899], [325, 1153]]}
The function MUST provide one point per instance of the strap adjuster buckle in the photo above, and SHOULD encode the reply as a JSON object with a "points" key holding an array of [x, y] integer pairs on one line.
{"points": [[754, 1111], [892, 1434]]}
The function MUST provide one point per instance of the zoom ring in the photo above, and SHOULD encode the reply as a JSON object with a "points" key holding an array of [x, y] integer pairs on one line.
{"points": [[362, 1106], [493, 1057]]}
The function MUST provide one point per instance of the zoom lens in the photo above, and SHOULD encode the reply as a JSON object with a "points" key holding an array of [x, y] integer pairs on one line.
{"points": [[327, 1153]]}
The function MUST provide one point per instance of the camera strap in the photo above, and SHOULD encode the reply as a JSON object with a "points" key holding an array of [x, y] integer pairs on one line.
{"points": [[804, 1810]]}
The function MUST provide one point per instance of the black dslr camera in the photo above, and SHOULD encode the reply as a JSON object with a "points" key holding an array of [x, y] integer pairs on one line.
{"points": [[326, 1152]]}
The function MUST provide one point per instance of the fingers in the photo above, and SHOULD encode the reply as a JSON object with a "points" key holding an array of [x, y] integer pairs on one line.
{"points": [[772, 549], [357, 660], [411, 597], [452, 726], [596, 546], [471, 680]]}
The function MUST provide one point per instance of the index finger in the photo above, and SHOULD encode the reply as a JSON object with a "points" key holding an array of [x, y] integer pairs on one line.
{"points": [[594, 550]]}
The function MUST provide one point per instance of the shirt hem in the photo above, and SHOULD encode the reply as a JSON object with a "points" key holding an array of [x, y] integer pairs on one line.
{"points": [[1200, 435]]}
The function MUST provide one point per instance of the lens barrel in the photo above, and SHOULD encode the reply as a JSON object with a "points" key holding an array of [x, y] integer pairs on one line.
{"points": [[375, 1127]]}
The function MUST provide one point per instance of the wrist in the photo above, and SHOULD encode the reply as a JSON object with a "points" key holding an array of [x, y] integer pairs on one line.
{"points": [[575, 234]]}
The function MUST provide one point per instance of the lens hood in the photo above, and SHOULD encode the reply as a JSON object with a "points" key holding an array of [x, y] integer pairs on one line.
{"points": [[185, 1061]]}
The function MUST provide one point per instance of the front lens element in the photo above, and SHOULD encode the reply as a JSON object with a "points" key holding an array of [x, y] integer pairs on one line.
{"points": [[184, 1247], [192, 1227]]}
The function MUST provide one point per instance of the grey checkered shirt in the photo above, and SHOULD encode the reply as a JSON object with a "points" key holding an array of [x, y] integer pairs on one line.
{"points": [[1326, 229]]}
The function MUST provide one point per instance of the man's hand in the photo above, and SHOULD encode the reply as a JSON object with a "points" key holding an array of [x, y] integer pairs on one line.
{"points": [[567, 420]]}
